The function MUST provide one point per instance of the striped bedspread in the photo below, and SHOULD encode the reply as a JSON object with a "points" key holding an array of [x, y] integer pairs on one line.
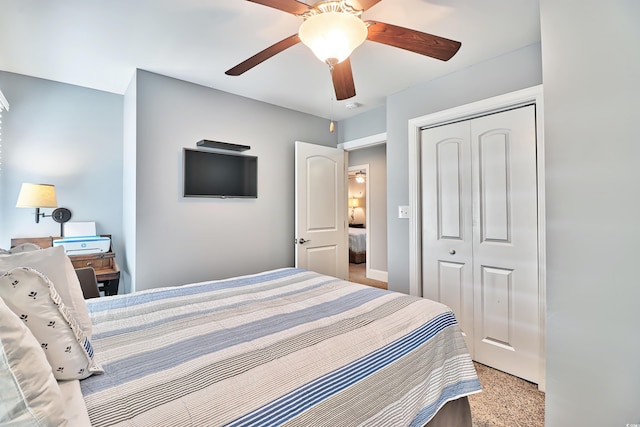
{"points": [[286, 347]]}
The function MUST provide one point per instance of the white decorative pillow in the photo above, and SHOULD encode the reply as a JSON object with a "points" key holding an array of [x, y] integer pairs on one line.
{"points": [[25, 247], [4, 252], [56, 265], [32, 296], [29, 394]]}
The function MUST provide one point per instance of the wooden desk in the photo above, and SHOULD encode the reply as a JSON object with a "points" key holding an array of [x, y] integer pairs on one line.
{"points": [[103, 263]]}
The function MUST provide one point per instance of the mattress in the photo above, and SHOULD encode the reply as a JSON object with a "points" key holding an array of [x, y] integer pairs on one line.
{"points": [[287, 347], [358, 239]]}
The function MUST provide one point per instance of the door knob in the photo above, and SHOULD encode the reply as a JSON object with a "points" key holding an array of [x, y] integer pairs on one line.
{"points": [[302, 241], [452, 251]]}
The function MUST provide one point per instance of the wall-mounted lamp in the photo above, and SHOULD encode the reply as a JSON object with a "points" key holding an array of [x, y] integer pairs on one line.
{"points": [[353, 204], [42, 196], [360, 177]]}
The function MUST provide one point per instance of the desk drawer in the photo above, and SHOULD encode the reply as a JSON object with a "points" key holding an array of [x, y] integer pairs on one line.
{"points": [[102, 261]]}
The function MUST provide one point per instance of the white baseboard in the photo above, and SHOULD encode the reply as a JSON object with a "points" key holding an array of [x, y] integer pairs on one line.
{"points": [[383, 276]]}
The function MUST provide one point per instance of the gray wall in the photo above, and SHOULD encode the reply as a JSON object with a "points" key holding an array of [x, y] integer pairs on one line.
{"points": [[64, 135], [591, 66], [118, 161], [181, 240], [507, 73], [376, 158], [371, 122]]}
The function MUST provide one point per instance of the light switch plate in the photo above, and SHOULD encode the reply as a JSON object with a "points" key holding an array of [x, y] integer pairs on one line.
{"points": [[403, 211]]}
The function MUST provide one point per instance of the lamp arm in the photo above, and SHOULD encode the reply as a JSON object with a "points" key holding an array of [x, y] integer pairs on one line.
{"points": [[41, 214]]}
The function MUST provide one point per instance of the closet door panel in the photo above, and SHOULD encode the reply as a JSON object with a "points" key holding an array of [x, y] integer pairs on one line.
{"points": [[447, 262], [504, 191], [496, 311], [493, 186], [448, 174]]}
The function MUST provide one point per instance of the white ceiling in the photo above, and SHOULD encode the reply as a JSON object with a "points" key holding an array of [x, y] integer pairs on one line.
{"points": [[99, 43]]}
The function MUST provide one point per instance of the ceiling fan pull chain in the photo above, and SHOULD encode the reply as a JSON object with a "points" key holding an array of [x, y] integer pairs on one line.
{"points": [[332, 126]]}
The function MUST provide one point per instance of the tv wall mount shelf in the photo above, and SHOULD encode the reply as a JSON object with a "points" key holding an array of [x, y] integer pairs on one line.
{"points": [[205, 143]]}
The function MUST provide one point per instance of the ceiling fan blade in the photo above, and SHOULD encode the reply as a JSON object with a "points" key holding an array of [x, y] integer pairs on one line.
{"points": [[263, 55], [363, 4], [342, 77], [415, 41], [291, 6]]}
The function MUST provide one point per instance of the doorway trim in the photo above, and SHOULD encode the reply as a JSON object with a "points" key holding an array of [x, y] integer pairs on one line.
{"points": [[367, 141], [356, 144], [532, 95]]}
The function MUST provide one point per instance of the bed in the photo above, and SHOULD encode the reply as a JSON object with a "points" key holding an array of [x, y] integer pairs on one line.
{"points": [[357, 245], [287, 347]]}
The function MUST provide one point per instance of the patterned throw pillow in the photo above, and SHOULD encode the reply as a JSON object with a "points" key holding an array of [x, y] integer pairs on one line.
{"points": [[29, 393], [32, 296], [56, 265]]}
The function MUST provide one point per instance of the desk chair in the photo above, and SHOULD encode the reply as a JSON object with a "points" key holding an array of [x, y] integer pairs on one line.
{"points": [[88, 282]]}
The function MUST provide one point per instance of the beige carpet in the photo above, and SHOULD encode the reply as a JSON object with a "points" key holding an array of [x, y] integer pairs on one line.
{"points": [[506, 401], [358, 274]]}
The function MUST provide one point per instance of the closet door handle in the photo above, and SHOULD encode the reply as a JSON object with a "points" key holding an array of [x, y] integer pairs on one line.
{"points": [[452, 251]]}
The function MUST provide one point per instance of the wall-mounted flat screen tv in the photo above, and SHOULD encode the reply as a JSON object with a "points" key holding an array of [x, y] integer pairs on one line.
{"points": [[216, 174]]}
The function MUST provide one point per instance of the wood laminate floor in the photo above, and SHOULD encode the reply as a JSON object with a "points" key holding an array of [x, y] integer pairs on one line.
{"points": [[357, 273]]}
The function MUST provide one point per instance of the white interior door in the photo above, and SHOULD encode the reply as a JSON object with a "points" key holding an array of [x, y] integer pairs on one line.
{"points": [[320, 204], [480, 178]]}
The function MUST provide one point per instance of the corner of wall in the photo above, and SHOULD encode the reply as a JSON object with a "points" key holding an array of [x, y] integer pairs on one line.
{"points": [[129, 159]]}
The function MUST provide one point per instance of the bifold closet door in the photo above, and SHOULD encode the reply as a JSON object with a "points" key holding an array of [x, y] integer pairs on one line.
{"points": [[447, 247], [480, 220]]}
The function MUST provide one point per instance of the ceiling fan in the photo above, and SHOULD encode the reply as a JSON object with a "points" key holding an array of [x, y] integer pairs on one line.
{"points": [[332, 29]]}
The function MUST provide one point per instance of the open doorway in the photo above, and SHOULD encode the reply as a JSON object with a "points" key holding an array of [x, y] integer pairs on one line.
{"points": [[367, 214], [359, 230]]}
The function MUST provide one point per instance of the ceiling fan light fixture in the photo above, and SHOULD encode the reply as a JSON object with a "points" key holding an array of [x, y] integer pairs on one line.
{"points": [[333, 36]]}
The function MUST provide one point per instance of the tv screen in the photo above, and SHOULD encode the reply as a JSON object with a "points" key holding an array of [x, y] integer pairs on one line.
{"points": [[214, 174]]}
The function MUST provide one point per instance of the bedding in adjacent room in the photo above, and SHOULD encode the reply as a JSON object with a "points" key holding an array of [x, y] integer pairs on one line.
{"points": [[357, 245], [357, 239]]}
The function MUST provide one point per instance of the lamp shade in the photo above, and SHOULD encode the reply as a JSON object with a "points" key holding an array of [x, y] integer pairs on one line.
{"points": [[354, 203], [332, 36], [37, 196]]}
